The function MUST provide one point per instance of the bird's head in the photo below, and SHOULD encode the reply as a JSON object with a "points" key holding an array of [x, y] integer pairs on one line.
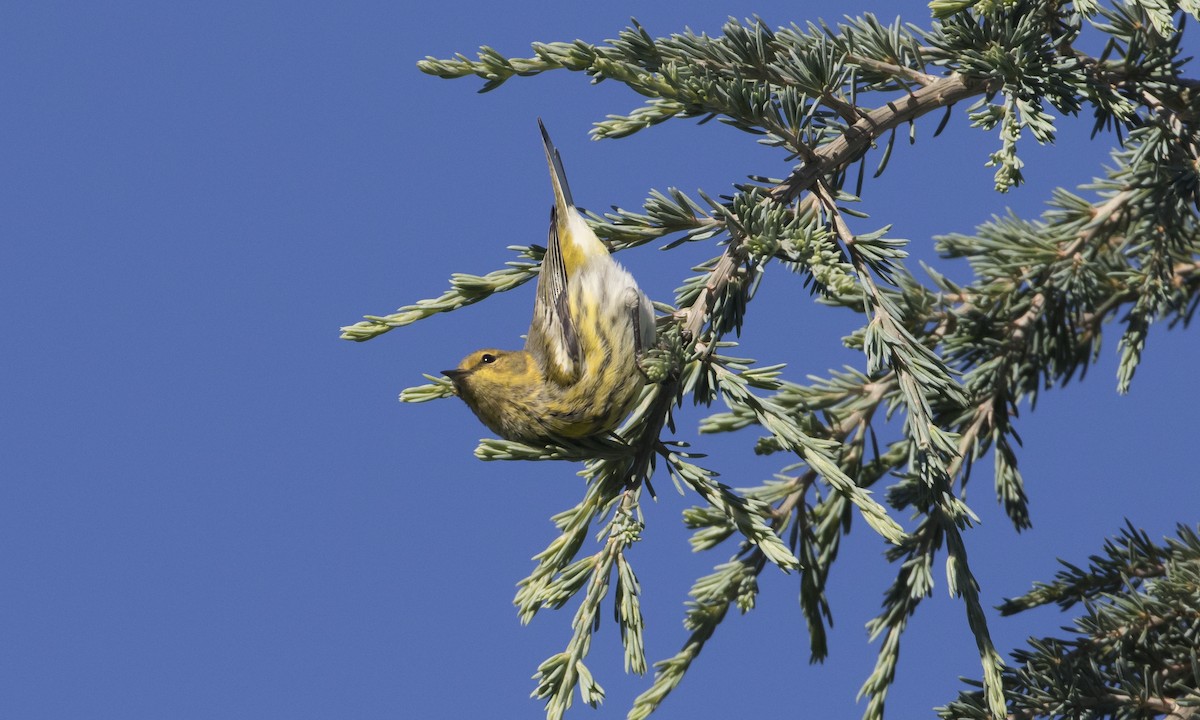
{"points": [[494, 373]]}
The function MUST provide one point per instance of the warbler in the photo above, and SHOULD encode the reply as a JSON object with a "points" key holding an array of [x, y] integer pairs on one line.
{"points": [[578, 375]]}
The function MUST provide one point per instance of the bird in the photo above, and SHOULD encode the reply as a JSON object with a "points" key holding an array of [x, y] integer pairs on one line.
{"points": [[578, 375]]}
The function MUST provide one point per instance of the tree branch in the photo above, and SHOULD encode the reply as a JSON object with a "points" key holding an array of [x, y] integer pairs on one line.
{"points": [[857, 138]]}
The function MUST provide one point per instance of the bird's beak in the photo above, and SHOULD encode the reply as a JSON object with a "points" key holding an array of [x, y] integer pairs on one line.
{"points": [[454, 374]]}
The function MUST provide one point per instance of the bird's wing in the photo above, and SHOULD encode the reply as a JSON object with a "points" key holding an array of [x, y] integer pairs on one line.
{"points": [[552, 337], [642, 311]]}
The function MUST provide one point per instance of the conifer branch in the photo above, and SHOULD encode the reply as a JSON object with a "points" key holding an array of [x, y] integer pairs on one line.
{"points": [[464, 290], [851, 144], [1032, 318], [559, 675], [1132, 654]]}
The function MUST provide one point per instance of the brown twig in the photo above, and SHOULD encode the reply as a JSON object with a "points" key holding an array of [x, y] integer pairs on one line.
{"points": [[857, 138], [886, 68]]}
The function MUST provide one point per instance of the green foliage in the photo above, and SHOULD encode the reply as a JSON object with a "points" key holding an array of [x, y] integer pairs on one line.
{"points": [[954, 362], [1133, 653], [464, 290]]}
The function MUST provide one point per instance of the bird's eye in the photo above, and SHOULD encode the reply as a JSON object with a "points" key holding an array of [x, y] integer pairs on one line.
{"points": [[488, 358]]}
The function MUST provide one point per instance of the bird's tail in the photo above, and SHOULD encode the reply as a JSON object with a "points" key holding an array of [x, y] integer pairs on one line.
{"points": [[558, 176]]}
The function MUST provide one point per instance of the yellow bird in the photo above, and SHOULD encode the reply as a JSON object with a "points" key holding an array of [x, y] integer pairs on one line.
{"points": [[578, 375]]}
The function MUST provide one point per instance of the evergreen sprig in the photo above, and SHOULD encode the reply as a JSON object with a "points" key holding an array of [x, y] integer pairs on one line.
{"points": [[464, 290], [1128, 559]]}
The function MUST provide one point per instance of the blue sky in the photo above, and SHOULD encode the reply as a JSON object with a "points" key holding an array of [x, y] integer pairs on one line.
{"points": [[214, 508]]}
